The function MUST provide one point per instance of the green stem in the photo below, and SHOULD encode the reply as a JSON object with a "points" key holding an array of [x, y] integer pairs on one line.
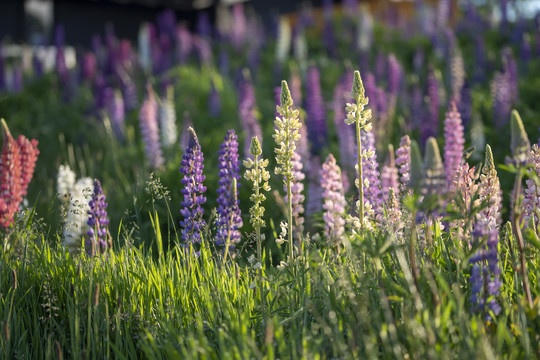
{"points": [[412, 248], [360, 175], [289, 215], [519, 236]]}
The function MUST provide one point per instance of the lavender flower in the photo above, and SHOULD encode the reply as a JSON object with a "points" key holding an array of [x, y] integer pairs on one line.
{"points": [[167, 119], [531, 202], [333, 201], [371, 176], [117, 114], [510, 68], [246, 109], [490, 190], [98, 233], [314, 198], [520, 144], [453, 145], [297, 187], [457, 75], [228, 212], [465, 104], [394, 75], [467, 188], [389, 176], [502, 99], [315, 109], [149, 129], [191, 168], [403, 159]]}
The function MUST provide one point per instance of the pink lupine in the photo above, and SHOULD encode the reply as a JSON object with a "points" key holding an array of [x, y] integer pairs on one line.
{"points": [[333, 201], [389, 175], [454, 141], [531, 202], [403, 159]]}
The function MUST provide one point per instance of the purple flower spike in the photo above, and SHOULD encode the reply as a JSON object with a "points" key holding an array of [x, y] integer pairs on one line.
{"points": [[229, 219], [149, 129], [314, 198], [502, 99], [315, 109], [98, 232], [192, 167], [531, 202], [394, 75], [297, 187], [372, 193], [389, 176], [333, 201], [403, 160], [454, 141]]}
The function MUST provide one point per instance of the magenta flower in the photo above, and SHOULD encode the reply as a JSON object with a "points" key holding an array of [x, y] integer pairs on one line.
{"points": [[333, 201]]}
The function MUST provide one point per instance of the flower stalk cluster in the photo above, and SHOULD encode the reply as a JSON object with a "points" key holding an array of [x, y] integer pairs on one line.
{"points": [[356, 114], [150, 131], [99, 239], [17, 166], [258, 175], [286, 134], [191, 168], [333, 201]]}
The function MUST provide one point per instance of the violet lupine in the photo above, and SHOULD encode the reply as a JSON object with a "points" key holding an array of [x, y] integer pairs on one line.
{"points": [[466, 186], [403, 160], [394, 75], [345, 134], [297, 188], [502, 99], [315, 111], [246, 110], [149, 129], [389, 176], [192, 212], [454, 141], [167, 119], [229, 220], [117, 115], [333, 201], [430, 126], [185, 43], [17, 166], [510, 68], [371, 176], [99, 240], [314, 199], [531, 202]]}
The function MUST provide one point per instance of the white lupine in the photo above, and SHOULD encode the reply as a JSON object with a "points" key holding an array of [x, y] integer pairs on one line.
{"points": [[283, 44], [145, 57], [65, 181], [77, 213], [167, 120]]}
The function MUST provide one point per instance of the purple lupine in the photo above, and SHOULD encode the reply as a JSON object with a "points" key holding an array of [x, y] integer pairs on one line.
{"points": [[148, 122], [434, 177], [296, 88], [117, 114], [531, 202], [88, 67], [297, 187], [229, 220], [394, 75], [465, 104], [246, 110], [371, 176], [315, 111], [238, 30], [203, 49], [454, 141], [204, 27], [37, 66], [314, 198], [191, 168], [129, 93], [98, 231], [403, 160], [333, 201], [389, 175], [510, 68], [345, 133], [185, 43], [214, 101], [480, 61], [431, 123], [502, 99], [503, 6]]}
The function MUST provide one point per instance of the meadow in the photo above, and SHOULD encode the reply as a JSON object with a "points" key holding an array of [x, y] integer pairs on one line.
{"points": [[325, 186]]}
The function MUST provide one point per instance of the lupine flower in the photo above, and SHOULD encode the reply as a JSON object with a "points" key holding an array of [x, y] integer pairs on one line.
{"points": [[184, 133], [457, 75], [346, 140], [394, 222], [333, 201], [502, 99], [167, 119], [214, 101], [117, 115], [16, 170], [88, 67], [520, 144], [394, 75], [98, 233], [247, 108], [490, 190], [256, 173], [466, 186], [65, 181], [297, 187], [191, 168], [389, 175], [403, 159], [454, 141], [149, 129], [184, 43], [531, 202], [315, 111], [371, 176], [75, 224], [431, 124], [314, 198], [228, 220], [480, 59], [510, 68]]}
